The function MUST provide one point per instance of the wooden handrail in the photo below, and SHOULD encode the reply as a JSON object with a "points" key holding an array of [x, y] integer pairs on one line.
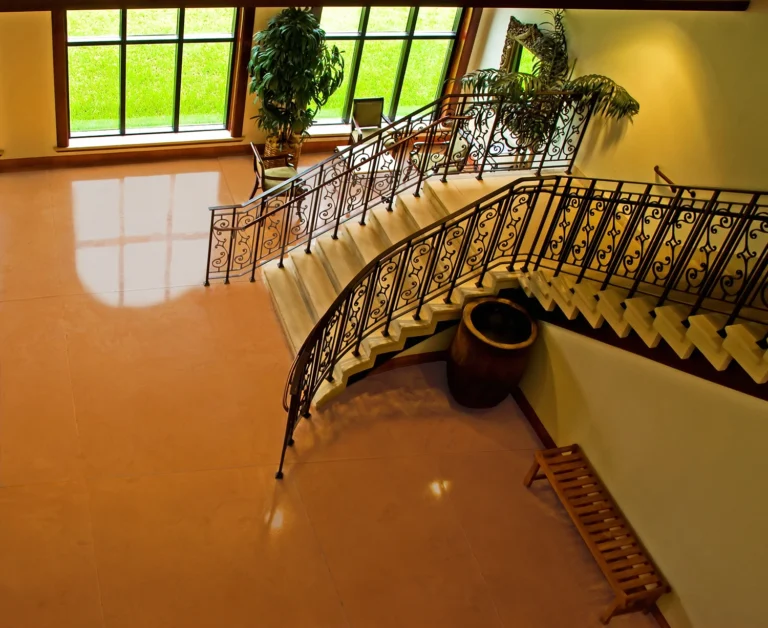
{"points": [[671, 183]]}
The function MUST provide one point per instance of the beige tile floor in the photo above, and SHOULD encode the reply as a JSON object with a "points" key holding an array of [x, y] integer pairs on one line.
{"points": [[141, 421]]}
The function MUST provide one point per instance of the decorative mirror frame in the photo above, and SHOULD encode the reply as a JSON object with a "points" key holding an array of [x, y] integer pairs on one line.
{"points": [[519, 36]]}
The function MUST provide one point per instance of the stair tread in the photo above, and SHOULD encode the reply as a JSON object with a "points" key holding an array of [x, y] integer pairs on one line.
{"points": [[420, 208], [341, 258], [397, 225], [295, 317], [369, 239], [314, 280]]}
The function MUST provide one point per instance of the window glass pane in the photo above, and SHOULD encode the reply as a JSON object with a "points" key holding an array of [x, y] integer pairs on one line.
{"points": [[148, 22], [340, 19], [94, 88], [209, 22], [527, 61], [204, 81], [150, 73], [423, 75], [436, 19], [93, 24], [334, 108], [378, 70], [388, 19]]}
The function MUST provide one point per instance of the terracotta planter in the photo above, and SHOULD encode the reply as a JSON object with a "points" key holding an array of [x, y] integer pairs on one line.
{"points": [[490, 351], [273, 147]]}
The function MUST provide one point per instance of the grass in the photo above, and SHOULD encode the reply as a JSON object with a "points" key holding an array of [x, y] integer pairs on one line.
{"points": [[379, 61], [94, 71]]}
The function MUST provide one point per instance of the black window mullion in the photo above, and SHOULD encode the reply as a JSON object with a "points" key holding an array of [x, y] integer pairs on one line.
{"points": [[179, 60], [123, 52], [403, 63], [356, 59]]}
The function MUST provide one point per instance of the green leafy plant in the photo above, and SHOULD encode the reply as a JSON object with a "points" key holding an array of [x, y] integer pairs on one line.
{"points": [[531, 99], [293, 73]]}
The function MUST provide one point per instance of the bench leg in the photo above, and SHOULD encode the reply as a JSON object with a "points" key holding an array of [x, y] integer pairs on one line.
{"points": [[609, 612], [531, 475]]}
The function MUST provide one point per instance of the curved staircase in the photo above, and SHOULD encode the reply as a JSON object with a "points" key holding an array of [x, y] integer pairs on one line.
{"points": [[307, 284], [385, 241]]}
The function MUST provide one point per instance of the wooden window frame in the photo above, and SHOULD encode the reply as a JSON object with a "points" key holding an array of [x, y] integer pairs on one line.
{"points": [[408, 36], [238, 78]]}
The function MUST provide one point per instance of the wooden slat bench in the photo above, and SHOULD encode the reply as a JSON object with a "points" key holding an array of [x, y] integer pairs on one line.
{"points": [[634, 578]]}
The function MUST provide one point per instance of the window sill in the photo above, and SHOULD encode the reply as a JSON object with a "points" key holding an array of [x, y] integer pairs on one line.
{"points": [[150, 140], [329, 130]]}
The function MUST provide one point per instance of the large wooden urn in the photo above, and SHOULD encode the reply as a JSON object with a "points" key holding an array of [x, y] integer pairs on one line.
{"points": [[490, 351]]}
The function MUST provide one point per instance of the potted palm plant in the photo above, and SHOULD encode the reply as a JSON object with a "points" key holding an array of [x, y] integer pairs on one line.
{"points": [[293, 73], [529, 112]]}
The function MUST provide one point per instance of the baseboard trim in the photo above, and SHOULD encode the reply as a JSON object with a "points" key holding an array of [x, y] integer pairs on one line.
{"points": [[167, 152], [533, 419], [119, 157]]}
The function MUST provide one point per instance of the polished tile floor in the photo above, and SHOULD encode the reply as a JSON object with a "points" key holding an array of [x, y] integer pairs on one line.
{"points": [[141, 422]]}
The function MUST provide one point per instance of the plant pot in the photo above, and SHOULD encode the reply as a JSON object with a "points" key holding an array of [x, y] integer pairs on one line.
{"points": [[274, 147], [490, 351]]}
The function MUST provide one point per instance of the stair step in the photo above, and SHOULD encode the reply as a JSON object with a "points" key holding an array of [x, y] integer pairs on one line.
{"points": [[295, 317], [314, 281], [703, 333], [369, 239], [669, 323], [340, 258], [397, 225], [421, 209]]}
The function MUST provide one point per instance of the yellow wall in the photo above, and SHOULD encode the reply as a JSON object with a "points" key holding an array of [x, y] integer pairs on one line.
{"points": [[684, 458], [698, 76], [27, 114]]}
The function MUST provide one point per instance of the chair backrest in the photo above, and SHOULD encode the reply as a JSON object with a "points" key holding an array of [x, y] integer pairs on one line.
{"points": [[258, 167], [367, 112]]}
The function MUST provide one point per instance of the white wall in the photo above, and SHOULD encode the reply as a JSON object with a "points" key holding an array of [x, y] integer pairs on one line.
{"points": [[684, 458]]}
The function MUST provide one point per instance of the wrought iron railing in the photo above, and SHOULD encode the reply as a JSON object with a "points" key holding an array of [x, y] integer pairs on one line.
{"points": [[455, 134], [705, 250]]}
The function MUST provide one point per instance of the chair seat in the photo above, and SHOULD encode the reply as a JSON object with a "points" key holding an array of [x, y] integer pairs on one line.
{"points": [[284, 172], [435, 158]]}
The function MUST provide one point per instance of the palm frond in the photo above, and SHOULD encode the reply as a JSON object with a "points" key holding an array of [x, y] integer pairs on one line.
{"points": [[611, 99]]}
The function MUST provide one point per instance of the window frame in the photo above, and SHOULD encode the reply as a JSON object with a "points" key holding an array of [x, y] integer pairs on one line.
{"points": [[407, 36], [237, 78]]}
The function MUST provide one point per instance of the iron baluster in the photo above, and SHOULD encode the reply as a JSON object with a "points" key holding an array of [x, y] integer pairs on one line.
{"points": [[502, 206], [342, 201], [668, 218], [372, 170], [397, 286], [582, 133], [423, 160], [546, 244], [689, 246], [256, 239], [287, 221], [748, 287], [489, 145], [637, 215], [341, 323], [550, 137], [315, 208], [435, 248], [542, 223], [466, 245], [232, 236], [366, 309], [600, 230], [581, 212], [726, 252], [210, 246], [530, 208]]}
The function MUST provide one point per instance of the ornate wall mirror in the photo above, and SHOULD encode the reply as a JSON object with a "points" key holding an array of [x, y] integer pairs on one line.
{"points": [[523, 45]]}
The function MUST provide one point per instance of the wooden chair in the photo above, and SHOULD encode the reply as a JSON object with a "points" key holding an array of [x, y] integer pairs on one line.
{"points": [[367, 118], [272, 178]]}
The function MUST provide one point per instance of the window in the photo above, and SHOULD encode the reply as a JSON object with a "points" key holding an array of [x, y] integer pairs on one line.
{"points": [[398, 53], [137, 71]]}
